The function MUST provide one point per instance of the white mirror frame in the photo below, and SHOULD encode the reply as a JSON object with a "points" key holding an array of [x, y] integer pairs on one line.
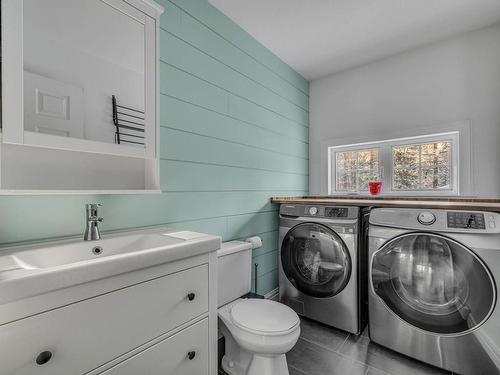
{"points": [[144, 11]]}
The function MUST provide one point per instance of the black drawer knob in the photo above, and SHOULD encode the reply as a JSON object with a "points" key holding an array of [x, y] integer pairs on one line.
{"points": [[191, 296], [191, 355], [43, 357]]}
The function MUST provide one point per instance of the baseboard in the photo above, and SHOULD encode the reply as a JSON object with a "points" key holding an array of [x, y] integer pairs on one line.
{"points": [[273, 295]]}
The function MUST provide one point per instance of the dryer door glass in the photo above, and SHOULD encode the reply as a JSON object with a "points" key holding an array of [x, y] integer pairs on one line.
{"points": [[434, 283], [315, 260]]}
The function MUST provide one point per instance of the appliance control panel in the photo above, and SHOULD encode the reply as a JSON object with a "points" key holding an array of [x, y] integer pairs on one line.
{"points": [[320, 211], [437, 220], [467, 220], [330, 212]]}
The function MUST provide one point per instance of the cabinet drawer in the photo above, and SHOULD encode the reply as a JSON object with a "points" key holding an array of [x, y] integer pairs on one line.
{"points": [[185, 353], [87, 334]]}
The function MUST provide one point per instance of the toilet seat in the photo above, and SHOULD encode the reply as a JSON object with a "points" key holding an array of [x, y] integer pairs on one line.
{"points": [[264, 317]]}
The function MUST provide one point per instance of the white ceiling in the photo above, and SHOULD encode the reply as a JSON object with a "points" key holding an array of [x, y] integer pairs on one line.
{"points": [[320, 37]]}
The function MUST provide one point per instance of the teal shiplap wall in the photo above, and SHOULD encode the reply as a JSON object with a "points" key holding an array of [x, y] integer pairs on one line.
{"points": [[234, 132]]}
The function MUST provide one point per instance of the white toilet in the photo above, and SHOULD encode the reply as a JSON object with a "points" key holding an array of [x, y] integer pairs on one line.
{"points": [[257, 332]]}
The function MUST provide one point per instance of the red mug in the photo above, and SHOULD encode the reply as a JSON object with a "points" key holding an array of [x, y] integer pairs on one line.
{"points": [[375, 187]]}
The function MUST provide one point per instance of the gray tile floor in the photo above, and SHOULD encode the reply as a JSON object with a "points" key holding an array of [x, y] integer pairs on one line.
{"points": [[322, 350]]}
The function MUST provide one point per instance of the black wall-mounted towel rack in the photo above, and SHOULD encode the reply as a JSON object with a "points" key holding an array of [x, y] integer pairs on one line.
{"points": [[129, 123]]}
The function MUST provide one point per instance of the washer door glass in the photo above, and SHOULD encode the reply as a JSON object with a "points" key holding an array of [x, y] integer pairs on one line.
{"points": [[315, 260], [433, 283]]}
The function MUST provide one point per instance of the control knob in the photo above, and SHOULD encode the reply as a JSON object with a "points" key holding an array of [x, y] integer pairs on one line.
{"points": [[313, 211], [426, 218]]}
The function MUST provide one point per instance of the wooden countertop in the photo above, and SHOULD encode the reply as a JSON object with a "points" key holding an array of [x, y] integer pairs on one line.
{"points": [[451, 203]]}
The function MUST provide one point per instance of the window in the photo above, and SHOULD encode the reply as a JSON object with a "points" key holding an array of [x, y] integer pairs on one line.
{"points": [[421, 167], [355, 169], [423, 164]]}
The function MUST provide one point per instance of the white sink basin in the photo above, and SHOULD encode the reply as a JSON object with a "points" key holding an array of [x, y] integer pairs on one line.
{"points": [[65, 254], [35, 269]]}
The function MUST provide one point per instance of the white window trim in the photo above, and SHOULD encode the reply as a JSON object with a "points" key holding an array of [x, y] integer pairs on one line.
{"points": [[386, 162]]}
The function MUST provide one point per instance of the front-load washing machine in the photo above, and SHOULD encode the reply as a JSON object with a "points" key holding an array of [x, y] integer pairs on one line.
{"points": [[320, 260], [432, 291]]}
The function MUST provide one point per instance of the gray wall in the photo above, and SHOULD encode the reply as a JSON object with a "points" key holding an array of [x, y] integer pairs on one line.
{"points": [[454, 80]]}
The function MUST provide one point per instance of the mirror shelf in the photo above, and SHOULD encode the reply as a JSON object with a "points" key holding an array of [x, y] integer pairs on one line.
{"points": [[81, 145]]}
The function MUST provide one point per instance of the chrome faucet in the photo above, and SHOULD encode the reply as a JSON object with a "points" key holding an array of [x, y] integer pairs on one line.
{"points": [[93, 219]]}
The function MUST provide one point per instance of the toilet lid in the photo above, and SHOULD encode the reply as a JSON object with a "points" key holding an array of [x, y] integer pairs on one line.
{"points": [[264, 316]]}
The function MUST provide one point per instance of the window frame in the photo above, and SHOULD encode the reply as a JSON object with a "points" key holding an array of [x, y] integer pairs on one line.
{"points": [[386, 163]]}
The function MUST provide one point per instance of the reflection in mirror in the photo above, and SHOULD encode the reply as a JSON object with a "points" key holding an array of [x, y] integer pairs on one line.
{"points": [[78, 56]]}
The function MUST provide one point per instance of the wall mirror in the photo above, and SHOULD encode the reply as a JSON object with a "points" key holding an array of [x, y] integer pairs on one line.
{"points": [[80, 82]]}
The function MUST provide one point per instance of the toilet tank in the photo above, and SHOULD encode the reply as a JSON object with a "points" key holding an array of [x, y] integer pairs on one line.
{"points": [[234, 271]]}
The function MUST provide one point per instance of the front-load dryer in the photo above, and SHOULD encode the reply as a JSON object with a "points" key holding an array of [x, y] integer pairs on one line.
{"points": [[432, 290], [319, 264]]}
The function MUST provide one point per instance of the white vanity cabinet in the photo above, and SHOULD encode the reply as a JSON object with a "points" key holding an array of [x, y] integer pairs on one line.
{"points": [[158, 325]]}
